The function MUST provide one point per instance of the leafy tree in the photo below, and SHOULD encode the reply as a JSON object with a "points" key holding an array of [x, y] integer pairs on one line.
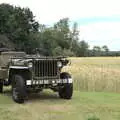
{"points": [[74, 35], [17, 24], [83, 48], [68, 52], [105, 48], [19, 30], [96, 51], [60, 38], [61, 33], [100, 51], [5, 42], [57, 51], [67, 38]]}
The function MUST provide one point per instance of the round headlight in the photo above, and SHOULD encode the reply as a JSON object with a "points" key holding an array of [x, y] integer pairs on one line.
{"points": [[59, 64], [19, 63], [30, 64]]}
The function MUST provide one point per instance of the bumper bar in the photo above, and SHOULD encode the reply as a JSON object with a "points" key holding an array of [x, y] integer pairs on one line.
{"points": [[42, 82]]}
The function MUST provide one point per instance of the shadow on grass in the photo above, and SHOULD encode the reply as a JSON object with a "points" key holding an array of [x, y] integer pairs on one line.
{"points": [[46, 95], [43, 96]]}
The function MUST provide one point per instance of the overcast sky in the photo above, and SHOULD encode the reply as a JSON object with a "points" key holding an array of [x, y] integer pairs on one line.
{"points": [[99, 20]]}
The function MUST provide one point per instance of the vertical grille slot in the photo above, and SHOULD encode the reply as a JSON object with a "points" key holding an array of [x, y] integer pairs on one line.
{"points": [[45, 68]]}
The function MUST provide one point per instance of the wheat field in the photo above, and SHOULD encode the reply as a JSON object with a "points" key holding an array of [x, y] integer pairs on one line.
{"points": [[95, 73]]}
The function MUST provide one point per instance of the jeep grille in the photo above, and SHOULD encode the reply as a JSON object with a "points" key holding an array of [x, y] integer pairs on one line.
{"points": [[45, 68]]}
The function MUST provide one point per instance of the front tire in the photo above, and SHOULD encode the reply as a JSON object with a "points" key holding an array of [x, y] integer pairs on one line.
{"points": [[18, 89], [1, 87], [67, 90]]}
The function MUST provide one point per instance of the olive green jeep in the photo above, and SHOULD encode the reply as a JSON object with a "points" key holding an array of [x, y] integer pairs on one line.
{"points": [[33, 73]]}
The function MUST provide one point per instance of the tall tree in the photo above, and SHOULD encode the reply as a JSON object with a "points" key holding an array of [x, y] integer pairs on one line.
{"points": [[97, 51], [105, 48], [83, 48], [17, 24], [62, 31]]}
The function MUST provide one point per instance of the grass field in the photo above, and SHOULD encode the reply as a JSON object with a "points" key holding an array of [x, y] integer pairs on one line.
{"points": [[90, 75], [96, 74], [48, 106]]}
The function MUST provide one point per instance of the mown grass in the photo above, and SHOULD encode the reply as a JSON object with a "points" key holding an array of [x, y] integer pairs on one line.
{"points": [[48, 106], [91, 75]]}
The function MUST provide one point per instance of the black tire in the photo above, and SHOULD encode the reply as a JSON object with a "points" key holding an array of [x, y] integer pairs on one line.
{"points": [[18, 89], [67, 90], [1, 87]]}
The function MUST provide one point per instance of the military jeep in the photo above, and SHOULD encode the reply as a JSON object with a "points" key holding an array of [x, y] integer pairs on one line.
{"points": [[33, 73]]}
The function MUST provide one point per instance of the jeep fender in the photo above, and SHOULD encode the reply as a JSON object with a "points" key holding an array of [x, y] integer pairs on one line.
{"points": [[23, 71]]}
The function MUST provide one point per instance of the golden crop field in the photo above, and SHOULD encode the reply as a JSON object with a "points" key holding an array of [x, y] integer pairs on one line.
{"points": [[96, 73]]}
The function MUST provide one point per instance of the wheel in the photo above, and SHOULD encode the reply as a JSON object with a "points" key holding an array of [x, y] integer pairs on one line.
{"points": [[1, 86], [67, 90], [18, 89]]}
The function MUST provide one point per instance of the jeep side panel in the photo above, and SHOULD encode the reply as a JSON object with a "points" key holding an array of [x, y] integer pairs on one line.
{"points": [[4, 62], [3, 74]]}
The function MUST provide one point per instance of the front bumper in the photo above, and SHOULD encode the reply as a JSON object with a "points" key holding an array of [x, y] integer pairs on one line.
{"points": [[48, 82]]}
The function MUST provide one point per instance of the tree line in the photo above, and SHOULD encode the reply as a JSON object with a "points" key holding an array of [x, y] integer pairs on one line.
{"points": [[20, 31]]}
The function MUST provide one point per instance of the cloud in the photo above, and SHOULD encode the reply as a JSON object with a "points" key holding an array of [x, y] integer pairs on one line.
{"points": [[102, 33], [49, 11]]}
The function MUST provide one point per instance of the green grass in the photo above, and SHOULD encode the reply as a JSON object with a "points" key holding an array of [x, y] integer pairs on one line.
{"points": [[48, 106]]}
